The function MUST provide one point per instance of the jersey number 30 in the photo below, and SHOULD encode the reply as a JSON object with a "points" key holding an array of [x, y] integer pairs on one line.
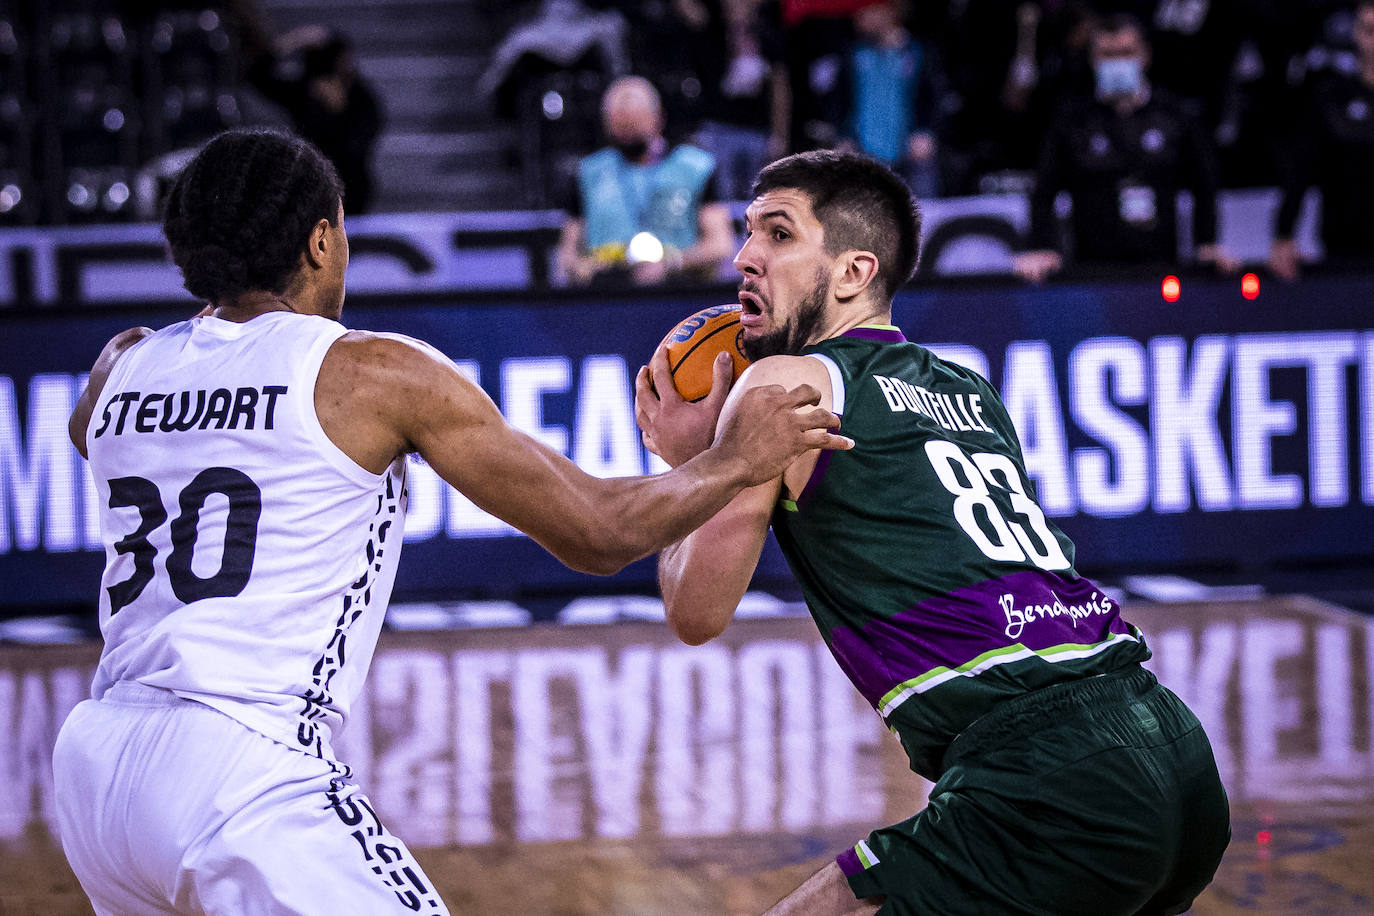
{"points": [[999, 538], [240, 535]]}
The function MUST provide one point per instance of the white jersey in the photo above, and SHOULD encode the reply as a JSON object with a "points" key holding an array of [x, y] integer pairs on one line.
{"points": [[248, 561]]}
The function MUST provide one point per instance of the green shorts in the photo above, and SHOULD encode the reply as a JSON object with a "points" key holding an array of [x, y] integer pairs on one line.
{"points": [[1099, 796]]}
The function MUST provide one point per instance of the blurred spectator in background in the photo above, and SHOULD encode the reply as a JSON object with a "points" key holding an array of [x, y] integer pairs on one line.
{"points": [[816, 36], [559, 35], [1123, 155], [990, 50], [311, 73], [664, 40], [1064, 55], [746, 100], [640, 211], [1334, 150], [1194, 44], [891, 84], [548, 75]]}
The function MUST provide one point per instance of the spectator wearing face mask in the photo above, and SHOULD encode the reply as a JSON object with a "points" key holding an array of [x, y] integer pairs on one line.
{"points": [[1123, 155], [641, 210]]}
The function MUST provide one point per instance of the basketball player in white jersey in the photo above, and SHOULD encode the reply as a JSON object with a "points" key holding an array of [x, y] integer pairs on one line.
{"points": [[250, 465]]}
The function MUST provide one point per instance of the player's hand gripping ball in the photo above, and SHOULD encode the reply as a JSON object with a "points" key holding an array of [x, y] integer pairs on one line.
{"points": [[695, 342]]}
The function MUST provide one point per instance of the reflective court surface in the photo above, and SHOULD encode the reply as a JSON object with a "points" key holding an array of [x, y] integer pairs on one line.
{"points": [[607, 769]]}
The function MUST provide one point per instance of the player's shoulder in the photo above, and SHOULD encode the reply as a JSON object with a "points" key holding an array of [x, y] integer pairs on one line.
{"points": [[384, 358], [944, 368], [119, 345], [128, 338], [788, 371], [386, 346], [950, 366]]}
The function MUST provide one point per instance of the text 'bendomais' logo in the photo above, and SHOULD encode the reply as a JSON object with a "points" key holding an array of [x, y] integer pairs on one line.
{"points": [[1019, 617]]}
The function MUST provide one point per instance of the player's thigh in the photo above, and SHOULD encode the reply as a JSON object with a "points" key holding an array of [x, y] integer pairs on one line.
{"points": [[80, 773], [1206, 830], [1022, 836], [91, 790], [961, 856], [311, 845], [969, 854]]}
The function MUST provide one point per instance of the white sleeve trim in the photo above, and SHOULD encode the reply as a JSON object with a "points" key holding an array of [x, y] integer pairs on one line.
{"points": [[836, 382]]}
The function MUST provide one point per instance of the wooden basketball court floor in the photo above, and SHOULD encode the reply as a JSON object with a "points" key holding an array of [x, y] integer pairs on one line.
{"points": [[606, 770]]}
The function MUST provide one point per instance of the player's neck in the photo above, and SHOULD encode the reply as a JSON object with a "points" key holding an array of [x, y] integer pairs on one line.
{"points": [[846, 323], [253, 303]]}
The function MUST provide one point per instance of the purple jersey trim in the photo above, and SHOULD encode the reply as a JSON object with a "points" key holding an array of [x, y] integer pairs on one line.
{"points": [[813, 483], [866, 332], [849, 862], [1032, 609]]}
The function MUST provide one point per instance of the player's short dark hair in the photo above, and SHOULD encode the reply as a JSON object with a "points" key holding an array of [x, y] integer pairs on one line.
{"points": [[860, 203], [239, 215]]}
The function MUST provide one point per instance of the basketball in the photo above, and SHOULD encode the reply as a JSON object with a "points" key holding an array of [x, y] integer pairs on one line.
{"points": [[694, 343]]}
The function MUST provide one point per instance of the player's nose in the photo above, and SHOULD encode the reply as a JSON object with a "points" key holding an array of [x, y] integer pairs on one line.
{"points": [[746, 260]]}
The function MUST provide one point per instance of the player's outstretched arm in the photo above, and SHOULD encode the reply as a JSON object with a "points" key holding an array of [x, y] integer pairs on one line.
{"points": [[100, 372], [704, 576], [378, 397]]}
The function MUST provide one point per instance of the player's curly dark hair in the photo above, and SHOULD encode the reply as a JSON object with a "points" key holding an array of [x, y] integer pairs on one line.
{"points": [[239, 216], [860, 203]]}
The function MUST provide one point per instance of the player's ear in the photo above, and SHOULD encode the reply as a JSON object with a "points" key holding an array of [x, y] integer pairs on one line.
{"points": [[856, 271], [318, 244]]}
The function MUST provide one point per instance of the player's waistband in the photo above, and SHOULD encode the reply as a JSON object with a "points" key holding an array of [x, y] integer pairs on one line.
{"points": [[1026, 713], [132, 693]]}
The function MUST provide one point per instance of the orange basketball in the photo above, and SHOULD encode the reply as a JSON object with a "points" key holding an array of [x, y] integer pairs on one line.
{"points": [[694, 344]]}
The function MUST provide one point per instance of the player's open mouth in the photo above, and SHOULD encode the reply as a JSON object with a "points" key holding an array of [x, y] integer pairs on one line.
{"points": [[750, 310], [750, 304]]}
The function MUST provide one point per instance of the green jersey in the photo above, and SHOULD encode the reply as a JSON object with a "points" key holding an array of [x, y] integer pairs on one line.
{"points": [[933, 575]]}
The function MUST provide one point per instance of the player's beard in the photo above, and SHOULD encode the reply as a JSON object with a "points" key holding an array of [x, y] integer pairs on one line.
{"points": [[788, 339]]}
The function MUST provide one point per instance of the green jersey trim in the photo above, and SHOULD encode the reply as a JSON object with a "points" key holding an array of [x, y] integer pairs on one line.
{"points": [[975, 666], [865, 854]]}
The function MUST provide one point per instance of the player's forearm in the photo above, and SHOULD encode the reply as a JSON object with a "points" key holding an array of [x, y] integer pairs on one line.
{"points": [[629, 518], [699, 600], [704, 576]]}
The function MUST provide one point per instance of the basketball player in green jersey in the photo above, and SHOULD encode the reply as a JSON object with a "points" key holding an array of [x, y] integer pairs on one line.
{"points": [[1067, 780]]}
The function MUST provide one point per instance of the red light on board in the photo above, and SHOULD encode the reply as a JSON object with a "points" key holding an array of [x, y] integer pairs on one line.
{"points": [[1171, 289], [1249, 286]]}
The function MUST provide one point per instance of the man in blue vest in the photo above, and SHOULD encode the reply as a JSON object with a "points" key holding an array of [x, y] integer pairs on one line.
{"points": [[642, 209]]}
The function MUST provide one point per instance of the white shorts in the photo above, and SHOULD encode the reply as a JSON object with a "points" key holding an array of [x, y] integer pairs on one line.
{"points": [[168, 806]]}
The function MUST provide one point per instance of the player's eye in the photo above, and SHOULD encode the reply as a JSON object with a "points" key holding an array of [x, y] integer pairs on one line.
{"points": [[781, 235]]}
